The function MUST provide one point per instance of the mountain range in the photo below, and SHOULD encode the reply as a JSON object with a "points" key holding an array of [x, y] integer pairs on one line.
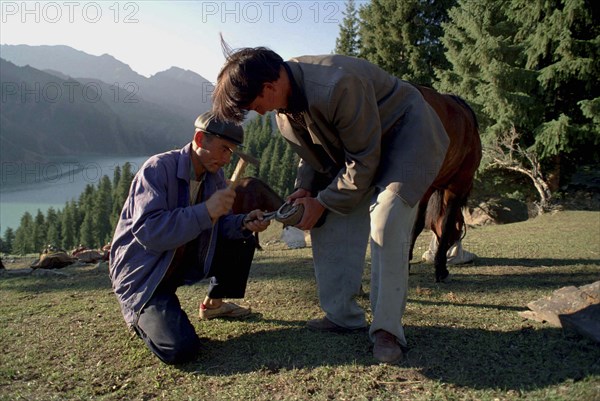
{"points": [[58, 101]]}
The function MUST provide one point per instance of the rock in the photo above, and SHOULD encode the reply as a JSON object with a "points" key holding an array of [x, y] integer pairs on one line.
{"points": [[496, 211], [571, 308], [89, 256], [586, 322], [54, 260]]}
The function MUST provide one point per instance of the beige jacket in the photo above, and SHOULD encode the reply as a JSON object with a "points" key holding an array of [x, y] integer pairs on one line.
{"points": [[366, 129]]}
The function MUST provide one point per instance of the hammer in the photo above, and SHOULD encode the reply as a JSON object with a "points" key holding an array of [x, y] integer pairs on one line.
{"points": [[241, 166]]}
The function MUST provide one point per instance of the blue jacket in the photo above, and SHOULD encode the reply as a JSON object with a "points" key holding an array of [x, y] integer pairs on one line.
{"points": [[156, 219]]}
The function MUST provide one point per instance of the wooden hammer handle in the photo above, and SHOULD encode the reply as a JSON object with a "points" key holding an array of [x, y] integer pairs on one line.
{"points": [[237, 173]]}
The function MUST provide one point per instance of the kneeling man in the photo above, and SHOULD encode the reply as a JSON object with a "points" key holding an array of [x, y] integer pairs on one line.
{"points": [[176, 228]]}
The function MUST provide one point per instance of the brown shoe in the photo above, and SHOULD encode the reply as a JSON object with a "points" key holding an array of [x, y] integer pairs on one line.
{"points": [[386, 348], [325, 324]]}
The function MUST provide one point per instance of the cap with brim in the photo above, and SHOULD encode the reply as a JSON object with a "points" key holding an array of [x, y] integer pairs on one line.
{"points": [[208, 123]]}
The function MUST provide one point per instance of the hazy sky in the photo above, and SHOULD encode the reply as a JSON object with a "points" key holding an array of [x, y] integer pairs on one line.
{"points": [[151, 36]]}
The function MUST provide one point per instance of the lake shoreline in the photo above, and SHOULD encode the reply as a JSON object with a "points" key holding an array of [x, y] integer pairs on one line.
{"points": [[29, 187]]}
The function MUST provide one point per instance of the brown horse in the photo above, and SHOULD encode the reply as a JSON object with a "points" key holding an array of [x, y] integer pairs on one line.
{"points": [[440, 209], [252, 194]]}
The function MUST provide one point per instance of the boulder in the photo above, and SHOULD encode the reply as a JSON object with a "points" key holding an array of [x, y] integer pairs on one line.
{"points": [[89, 256], [571, 308], [55, 260], [496, 211]]}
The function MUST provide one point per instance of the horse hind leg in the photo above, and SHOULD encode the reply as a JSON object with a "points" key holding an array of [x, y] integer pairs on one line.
{"points": [[448, 234]]}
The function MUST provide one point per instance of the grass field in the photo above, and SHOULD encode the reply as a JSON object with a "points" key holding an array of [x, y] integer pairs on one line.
{"points": [[63, 337]]}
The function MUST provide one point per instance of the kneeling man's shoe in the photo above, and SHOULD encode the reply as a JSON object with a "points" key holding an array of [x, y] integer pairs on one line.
{"points": [[386, 348], [227, 309]]}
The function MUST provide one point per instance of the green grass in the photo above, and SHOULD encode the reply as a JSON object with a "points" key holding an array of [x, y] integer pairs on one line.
{"points": [[63, 337]]}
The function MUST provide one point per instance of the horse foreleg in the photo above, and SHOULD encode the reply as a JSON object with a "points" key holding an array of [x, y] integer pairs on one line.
{"points": [[448, 228], [257, 242]]}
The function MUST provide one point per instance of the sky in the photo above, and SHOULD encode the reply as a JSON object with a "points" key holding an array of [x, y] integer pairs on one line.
{"points": [[152, 36]]}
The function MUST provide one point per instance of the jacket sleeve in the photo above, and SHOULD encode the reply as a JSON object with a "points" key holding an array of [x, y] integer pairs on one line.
{"points": [[352, 110], [156, 227], [306, 177], [230, 225]]}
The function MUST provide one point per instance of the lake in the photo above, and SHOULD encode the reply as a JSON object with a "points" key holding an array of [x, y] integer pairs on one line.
{"points": [[27, 187]]}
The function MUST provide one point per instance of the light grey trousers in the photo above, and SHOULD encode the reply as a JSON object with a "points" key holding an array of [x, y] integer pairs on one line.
{"points": [[339, 249]]}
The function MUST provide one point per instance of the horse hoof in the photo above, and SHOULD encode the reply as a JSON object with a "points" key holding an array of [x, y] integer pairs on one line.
{"points": [[446, 279]]}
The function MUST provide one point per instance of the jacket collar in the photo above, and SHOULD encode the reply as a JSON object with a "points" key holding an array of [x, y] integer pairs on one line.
{"points": [[297, 101], [183, 163]]}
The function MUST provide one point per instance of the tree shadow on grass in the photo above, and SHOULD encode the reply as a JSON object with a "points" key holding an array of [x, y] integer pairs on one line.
{"points": [[508, 277], [476, 358], [526, 359], [534, 262]]}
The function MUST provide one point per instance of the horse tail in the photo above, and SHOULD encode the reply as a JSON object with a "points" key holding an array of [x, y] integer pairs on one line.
{"points": [[435, 210], [464, 233], [466, 105]]}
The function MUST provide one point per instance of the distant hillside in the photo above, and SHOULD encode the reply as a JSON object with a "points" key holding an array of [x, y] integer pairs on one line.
{"points": [[45, 115], [179, 91], [71, 62]]}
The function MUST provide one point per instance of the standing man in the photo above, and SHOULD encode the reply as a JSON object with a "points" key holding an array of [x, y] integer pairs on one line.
{"points": [[176, 228], [370, 146]]}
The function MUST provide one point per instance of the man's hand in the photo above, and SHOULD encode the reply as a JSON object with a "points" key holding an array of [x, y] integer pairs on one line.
{"points": [[312, 212], [299, 193], [220, 203], [254, 221]]}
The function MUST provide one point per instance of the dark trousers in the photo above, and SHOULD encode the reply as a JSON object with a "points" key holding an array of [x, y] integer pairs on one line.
{"points": [[166, 328]]}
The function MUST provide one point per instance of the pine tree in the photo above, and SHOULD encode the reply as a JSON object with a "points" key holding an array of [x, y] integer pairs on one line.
{"points": [[252, 133], [100, 213], [530, 70], [53, 234], [86, 198], [275, 166], [121, 192], [69, 225], [289, 164], [403, 37], [23, 243], [348, 41], [39, 232], [561, 44], [86, 232], [265, 162], [116, 177], [8, 240]]}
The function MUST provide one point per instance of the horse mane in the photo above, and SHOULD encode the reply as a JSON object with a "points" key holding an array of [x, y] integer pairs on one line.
{"points": [[466, 105], [265, 186], [455, 97]]}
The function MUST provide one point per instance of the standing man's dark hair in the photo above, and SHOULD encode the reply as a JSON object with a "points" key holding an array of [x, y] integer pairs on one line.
{"points": [[241, 80]]}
